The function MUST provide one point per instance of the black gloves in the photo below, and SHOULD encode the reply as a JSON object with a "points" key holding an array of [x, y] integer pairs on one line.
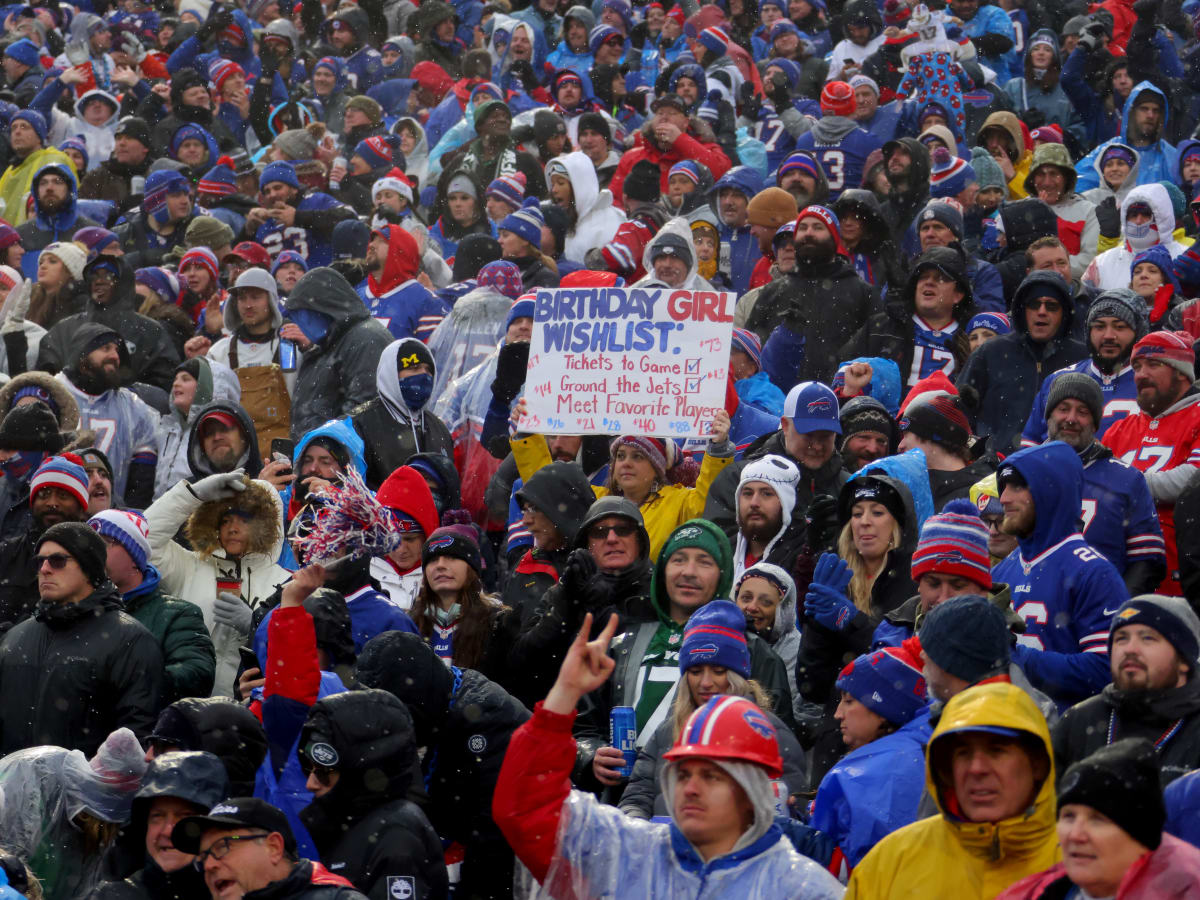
{"points": [[822, 520], [268, 59], [749, 101], [1092, 34], [523, 70], [777, 89], [637, 37], [576, 575], [510, 371], [1109, 218], [218, 20]]}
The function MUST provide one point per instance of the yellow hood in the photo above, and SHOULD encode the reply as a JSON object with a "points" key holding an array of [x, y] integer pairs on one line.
{"points": [[1005, 706]]}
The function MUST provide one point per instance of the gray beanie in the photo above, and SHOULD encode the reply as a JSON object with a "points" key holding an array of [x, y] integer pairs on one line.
{"points": [[987, 171], [297, 143], [1076, 386], [968, 637], [1123, 304]]}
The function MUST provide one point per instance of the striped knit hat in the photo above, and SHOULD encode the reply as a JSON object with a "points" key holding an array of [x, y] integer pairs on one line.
{"points": [[748, 343], [889, 682], [129, 530], [954, 542], [663, 454], [200, 256], [380, 150], [802, 160], [715, 39], [950, 174], [686, 167], [509, 188], [220, 69], [220, 180], [526, 223], [158, 185], [65, 472]]}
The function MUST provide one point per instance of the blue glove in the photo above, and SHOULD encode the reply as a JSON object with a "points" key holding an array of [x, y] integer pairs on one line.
{"points": [[1019, 653], [826, 602]]}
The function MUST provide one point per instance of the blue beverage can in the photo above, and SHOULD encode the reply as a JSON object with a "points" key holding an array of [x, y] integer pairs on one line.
{"points": [[622, 734]]}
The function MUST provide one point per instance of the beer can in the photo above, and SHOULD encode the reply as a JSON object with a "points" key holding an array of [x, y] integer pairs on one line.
{"points": [[622, 734]]}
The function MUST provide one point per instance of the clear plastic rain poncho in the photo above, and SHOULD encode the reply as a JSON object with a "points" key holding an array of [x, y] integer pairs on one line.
{"points": [[44, 789]]}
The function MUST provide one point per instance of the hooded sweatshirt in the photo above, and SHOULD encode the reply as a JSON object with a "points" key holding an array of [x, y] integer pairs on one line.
{"points": [[47, 228], [842, 146], [1111, 268], [693, 282], [1064, 589], [200, 465], [598, 219], [216, 382], [946, 853], [1158, 161], [261, 352], [400, 303], [1102, 191]]}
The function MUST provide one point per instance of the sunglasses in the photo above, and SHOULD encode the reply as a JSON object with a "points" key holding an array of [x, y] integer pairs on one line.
{"points": [[324, 774], [57, 561], [1051, 306], [601, 532]]}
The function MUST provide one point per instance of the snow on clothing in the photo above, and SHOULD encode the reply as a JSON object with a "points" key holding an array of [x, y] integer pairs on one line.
{"points": [[1118, 390], [311, 232], [1156, 162], [784, 636], [579, 847], [1172, 870], [99, 139], [400, 303], [249, 353], [680, 228], [199, 463], [1111, 269], [1054, 104], [400, 587], [739, 251], [873, 790], [17, 179], [197, 575], [1061, 586], [217, 382], [337, 374], [598, 220], [643, 796], [664, 510], [75, 672], [945, 853]]}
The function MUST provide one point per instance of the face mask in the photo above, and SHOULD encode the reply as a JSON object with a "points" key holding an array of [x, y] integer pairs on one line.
{"points": [[1141, 236], [416, 390], [314, 325], [21, 463]]}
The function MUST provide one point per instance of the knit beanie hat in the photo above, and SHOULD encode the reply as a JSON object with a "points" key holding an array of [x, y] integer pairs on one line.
{"points": [[368, 107], [279, 171], [803, 161], [503, 276], [8, 236], [458, 541], [159, 185], [1123, 782], [939, 418], [954, 542], [771, 208], [968, 637], [866, 413], [23, 51], [837, 99], [944, 213], [1123, 304], [526, 223], [509, 189], [642, 183], [203, 257], [79, 146], [1171, 617], [781, 474], [70, 255], [715, 635], [888, 682], [950, 174], [662, 453], [297, 143], [688, 167], [380, 150], [1076, 386], [84, 545], [1171, 347], [206, 231], [483, 110], [221, 69], [593, 121], [350, 239], [987, 171], [162, 281], [698, 534], [31, 426], [35, 119], [220, 180], [523, 308], [715, 39], [993, 321], [748, 342], [129, 530], [136, 128]]}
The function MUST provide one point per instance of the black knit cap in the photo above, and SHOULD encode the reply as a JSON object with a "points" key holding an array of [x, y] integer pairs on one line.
{"points": [[864, 413], [452, 540], [870, 487], [136, 128], [939, 418], [85, 546], [474, 252], [1122, 782], [31, 426], [593, 121], [642, 182]]}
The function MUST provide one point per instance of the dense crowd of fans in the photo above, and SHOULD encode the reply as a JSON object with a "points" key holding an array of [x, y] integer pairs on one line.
{"points": [[293, 604]]}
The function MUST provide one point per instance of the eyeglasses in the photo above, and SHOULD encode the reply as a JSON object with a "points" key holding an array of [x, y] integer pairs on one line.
{"points": [[1051, 306], [324, 773], [993, 522], [601, 532], [57, 561], [221, 847]]}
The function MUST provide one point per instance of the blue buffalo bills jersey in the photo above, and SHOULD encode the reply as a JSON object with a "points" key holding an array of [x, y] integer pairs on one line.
{"points": [[1119, 516], [932, 351], [775, 137], [1120, 399], [407, 310], [844, 161], [308, 242]]}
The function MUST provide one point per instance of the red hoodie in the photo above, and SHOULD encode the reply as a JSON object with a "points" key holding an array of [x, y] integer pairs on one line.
{"points": [[402, 261]]}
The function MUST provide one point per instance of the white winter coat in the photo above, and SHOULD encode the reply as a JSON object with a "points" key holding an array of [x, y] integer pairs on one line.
{"points": [[598, 218], [1111, 268]]}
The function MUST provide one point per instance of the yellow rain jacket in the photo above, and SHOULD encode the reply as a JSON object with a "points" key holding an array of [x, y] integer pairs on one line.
{"points": [[662, 512], [946, 857], [14, 184]]}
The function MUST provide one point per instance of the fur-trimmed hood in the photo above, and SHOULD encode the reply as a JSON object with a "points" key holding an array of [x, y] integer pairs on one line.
{"points": [[68, 409], [261, 501]]}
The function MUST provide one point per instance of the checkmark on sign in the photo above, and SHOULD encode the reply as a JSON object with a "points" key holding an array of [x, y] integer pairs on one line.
{"points": [[692, 385], [691, 367]]}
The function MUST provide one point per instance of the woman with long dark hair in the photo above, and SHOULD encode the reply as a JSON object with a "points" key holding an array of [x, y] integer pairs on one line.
{"points": [[466, 627]]}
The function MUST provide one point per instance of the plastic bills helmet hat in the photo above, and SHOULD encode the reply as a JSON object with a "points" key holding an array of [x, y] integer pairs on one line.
{"points": [[729, 729]]}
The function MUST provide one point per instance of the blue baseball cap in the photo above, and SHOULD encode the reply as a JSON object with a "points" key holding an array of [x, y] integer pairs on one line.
{"points": [[812, 406]]}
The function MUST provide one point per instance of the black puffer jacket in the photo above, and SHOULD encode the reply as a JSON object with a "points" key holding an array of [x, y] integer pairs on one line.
{"points": [[464, 722], [1084, 728], [152, 883], [224, 728], [153, 356], [18, 579], [75, 672], [307, 881], [339, 373], [365, 828]]}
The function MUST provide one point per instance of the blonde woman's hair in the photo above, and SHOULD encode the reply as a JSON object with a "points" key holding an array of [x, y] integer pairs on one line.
{"points": [[738, 687], [859, 590]]}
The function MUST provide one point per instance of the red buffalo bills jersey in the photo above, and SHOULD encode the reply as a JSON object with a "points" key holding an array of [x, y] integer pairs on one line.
{"points": [[1155, 445]]}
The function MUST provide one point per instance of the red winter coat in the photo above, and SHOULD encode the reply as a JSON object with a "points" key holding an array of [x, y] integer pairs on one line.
{"points": [[686, 146]]}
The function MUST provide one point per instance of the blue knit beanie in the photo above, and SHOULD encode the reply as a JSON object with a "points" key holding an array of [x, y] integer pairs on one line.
{"points": [[888, 682], [35, 119], [525, 223], [23, 51], [715, 635], [968, 637], [279, 171]]}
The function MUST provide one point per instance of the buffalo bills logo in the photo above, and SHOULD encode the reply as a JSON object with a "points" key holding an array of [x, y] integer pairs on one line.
{"points": [[760, 723], [440, 543], [947, 557], [704, 651], [983, 502], [822, 404]]}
